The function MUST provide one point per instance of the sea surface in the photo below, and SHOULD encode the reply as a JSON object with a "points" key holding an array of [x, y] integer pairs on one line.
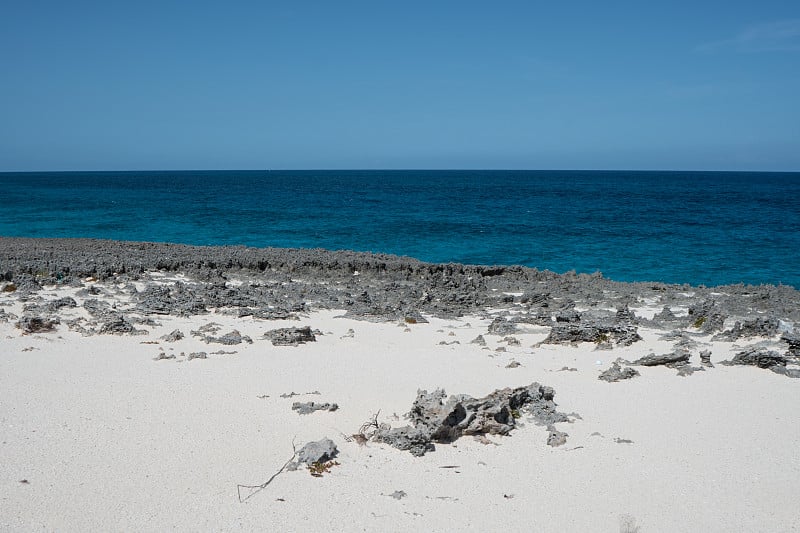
{"points": [[706, 228]]}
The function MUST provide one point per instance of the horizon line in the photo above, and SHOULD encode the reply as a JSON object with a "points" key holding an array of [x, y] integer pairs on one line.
{"points": [[393, 169]]}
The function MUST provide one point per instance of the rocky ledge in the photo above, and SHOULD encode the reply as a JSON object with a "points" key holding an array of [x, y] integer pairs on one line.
{"points": [[272, 283]]}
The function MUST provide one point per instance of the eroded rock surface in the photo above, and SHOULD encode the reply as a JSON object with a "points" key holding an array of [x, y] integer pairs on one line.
{"points": [[764, 358], [617, 373], [290, 336], [758, 327], [277, 283], [594, 332], [678, 357], [436, 418], [306, 408], [174, 336], [37, 324], [320, 451]]}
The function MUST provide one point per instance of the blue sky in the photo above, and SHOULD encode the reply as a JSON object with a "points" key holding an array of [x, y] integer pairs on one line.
{"points": [[436, 84]]}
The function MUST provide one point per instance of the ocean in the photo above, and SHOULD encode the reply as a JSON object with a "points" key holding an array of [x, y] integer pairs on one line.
{"points": [[707, 228]]}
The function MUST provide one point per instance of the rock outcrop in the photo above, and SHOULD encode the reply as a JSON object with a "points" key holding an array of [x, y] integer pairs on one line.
{"points": [[290, 336], [436, 418]]}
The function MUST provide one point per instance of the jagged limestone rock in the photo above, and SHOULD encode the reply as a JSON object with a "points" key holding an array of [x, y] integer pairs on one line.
{"points": [[501, 326], [306, 408], [230, 338], [555, 437], [572, 333], [37, 324], [479, 340], [436, 418], [616, 373], [792, 339], [174, 336], [758, 327], [764, 358], [677, 357], [319, 451], [760, 357], [290, 336]]}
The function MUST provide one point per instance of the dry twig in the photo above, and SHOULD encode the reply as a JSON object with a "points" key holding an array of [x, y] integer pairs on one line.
{"points": [[368, 429], [255, 489]]}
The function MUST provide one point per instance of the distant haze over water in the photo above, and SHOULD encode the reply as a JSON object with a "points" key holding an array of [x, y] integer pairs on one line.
{"points": [[707, 228]]}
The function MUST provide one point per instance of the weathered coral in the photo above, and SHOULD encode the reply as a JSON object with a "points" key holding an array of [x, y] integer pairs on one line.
{"points": [[436, 418], [290, 336]]}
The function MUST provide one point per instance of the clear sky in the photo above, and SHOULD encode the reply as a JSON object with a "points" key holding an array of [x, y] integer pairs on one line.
{"points": [[106, 85]]}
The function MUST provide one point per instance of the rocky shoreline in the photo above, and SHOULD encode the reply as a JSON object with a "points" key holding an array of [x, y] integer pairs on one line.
{"points": [[372, 286], [275, 283]]}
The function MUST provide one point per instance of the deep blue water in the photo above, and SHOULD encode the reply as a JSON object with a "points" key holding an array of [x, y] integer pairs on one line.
{"points": [[695, 227]]}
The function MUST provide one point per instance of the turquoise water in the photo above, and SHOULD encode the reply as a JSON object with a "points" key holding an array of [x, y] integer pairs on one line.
{"points": [[694, 227]]}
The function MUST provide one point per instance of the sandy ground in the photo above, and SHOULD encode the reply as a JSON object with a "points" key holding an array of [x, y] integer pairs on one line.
{"points": [[96, 435]]}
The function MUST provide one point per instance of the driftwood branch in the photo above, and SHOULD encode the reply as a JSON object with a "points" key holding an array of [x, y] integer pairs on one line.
{"points": [[369, 427], [255, 489]]}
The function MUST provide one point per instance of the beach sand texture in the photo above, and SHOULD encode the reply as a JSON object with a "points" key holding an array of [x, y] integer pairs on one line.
{"points": [[107, 423]]}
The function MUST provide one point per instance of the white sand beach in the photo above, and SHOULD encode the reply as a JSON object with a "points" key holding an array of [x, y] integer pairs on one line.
{"points": [[97, 434]]}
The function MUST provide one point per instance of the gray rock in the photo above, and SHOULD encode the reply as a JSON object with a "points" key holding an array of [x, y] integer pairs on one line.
{"points": [[674, 335], [568, 316], [555, 437], [535, 298], [178, 300], [757, 356], [479, 340], [290, 336], [306, 408], [197, 355], [229, 339], [792, 339], [702, 308], [677, 357], [37, 324], [436, 418], [174, 336], [320, 451], [705, 358], [625, 315], [712, 323], [686, 344], [116, 324], [569, 333], [91, 290], [406, 438], [758, 327], [706, 315], [666, 316], [501, 326], [784, 371], [56, 305], [97, 308], [617, 373]]}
